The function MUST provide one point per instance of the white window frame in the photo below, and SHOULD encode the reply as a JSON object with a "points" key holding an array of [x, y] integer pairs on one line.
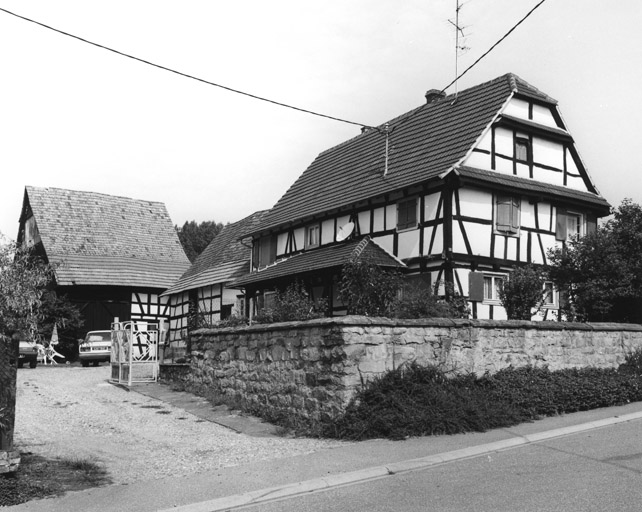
{"points": [[554, 302], [315, 230], [579, 217], [494, 295]]}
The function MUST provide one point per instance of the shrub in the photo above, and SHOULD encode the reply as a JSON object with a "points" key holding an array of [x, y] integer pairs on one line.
{"points": [[293, 304], [420, 302], [367, 289], [522, 293], [416, 401]]}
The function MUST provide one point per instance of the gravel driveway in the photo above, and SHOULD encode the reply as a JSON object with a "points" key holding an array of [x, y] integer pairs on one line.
{"points": [[70, 411]]}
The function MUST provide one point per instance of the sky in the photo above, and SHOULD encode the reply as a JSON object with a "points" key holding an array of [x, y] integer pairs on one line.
{"points": [[79, 117]]}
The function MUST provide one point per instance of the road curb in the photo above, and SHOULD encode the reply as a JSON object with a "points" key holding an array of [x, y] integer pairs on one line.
{"points": [[373, 473]]}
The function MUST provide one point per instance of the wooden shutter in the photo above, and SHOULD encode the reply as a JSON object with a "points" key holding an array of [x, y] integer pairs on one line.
{"points": [[560, 225], [407, 214], [505, 216], [256, 246], [475, 286], [591, 223]]}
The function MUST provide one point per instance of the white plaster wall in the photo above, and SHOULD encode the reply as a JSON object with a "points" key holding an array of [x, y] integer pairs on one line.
{"points": [[408, 244], [504, 142], [431, 203], [543, 115], [517, 108], [299, 237], [391, 216], [548, 153], [364, 222], [438, 243], [378, 224], [387, 242], [281, 241], [476, 203], [479, 160], [479, 238], [548, 176]]}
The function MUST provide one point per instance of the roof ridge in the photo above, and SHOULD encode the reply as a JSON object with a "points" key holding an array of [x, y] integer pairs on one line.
{"points": [[89, 192]]}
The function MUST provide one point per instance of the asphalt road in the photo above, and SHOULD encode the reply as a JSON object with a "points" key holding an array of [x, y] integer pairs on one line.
{"points": [[593, 471]]}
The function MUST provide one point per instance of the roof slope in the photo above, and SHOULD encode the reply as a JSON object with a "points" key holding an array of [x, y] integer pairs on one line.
{"points": [[224, 259], [99, 239], [423, 144], [327, 257]]}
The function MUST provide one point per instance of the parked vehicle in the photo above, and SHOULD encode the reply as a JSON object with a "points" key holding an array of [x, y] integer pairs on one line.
{"points": [[96, 347], [27, 353]]}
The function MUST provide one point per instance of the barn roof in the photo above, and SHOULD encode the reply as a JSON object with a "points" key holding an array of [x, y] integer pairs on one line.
{"points": [[423, 144], [225, 258], [100, 239]]}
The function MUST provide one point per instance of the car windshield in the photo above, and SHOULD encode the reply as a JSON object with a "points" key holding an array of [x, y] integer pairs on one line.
{"points": [[99, 336]]}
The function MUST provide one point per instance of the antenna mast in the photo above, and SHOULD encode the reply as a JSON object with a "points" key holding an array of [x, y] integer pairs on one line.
{"points": [[459, 30]]}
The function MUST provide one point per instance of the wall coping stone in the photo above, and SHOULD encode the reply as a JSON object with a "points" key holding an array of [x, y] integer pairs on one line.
{"points": [[360, 321]]}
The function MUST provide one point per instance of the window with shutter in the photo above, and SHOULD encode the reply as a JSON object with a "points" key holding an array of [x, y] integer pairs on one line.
{"points": [[522, 149], [407, 214], [507, 219], [568, 225]]}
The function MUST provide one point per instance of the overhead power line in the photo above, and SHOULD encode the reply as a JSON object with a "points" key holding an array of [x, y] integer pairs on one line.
{"points": [[186, 75]]}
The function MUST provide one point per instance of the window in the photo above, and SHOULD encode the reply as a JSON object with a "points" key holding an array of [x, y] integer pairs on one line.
{"points": [[264, 251], [550, 295], [492, 286], [407, 214], [312, 236], [507, 219], [522, 149], [569, 225]]}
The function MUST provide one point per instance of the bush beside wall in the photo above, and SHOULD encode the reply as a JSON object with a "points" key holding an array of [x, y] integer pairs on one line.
{"points": [[305, 372]]}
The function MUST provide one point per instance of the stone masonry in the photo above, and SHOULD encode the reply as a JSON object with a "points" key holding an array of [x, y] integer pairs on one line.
{"points": [[309, 370]]}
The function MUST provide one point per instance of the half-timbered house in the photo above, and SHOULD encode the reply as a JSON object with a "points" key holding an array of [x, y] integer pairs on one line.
{"points": [[113, 256], [200, 295], [461, 189]]}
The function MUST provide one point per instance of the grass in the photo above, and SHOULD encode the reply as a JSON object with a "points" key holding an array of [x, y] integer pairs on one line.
{"points": [[39, 477]]}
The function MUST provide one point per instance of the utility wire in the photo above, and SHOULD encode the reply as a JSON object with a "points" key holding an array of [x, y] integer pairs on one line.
{"points": [[184, 74]]}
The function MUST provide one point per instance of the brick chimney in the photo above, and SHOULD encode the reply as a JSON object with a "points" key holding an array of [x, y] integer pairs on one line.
{"points": [[433, 95]]}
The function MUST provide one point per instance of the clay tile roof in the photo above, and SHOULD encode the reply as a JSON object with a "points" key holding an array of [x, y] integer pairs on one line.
{"points": [[225, 258], [99, 239], [328, 257], [423, 144]]}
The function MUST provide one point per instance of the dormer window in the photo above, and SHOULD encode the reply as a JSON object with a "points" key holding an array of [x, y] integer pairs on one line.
{"points": [[522, 149], [407, 214], [312, 236]]}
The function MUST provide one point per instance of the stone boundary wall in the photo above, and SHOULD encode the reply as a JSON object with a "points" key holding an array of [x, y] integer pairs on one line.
{"points": [[310, 370]]}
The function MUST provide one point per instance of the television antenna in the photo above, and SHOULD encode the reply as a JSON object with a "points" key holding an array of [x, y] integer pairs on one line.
{"points": [[459, 47]]}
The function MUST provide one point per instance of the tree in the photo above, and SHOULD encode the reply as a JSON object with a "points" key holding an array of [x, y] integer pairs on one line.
{"points": [[600, 274], [421, 301], [23, 280], [522, 294], [367, 289], [196, 237]]}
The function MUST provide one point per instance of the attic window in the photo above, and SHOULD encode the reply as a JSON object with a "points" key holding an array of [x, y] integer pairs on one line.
{"points": [[522, 149], [312, 236]]}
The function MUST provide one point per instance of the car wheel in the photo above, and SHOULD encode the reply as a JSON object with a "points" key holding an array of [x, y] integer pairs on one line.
{"points": [[85, 364], [33, 364]]}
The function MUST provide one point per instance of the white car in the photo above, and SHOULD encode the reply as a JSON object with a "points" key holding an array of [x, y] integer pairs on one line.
{"points": [[95, 348]]}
